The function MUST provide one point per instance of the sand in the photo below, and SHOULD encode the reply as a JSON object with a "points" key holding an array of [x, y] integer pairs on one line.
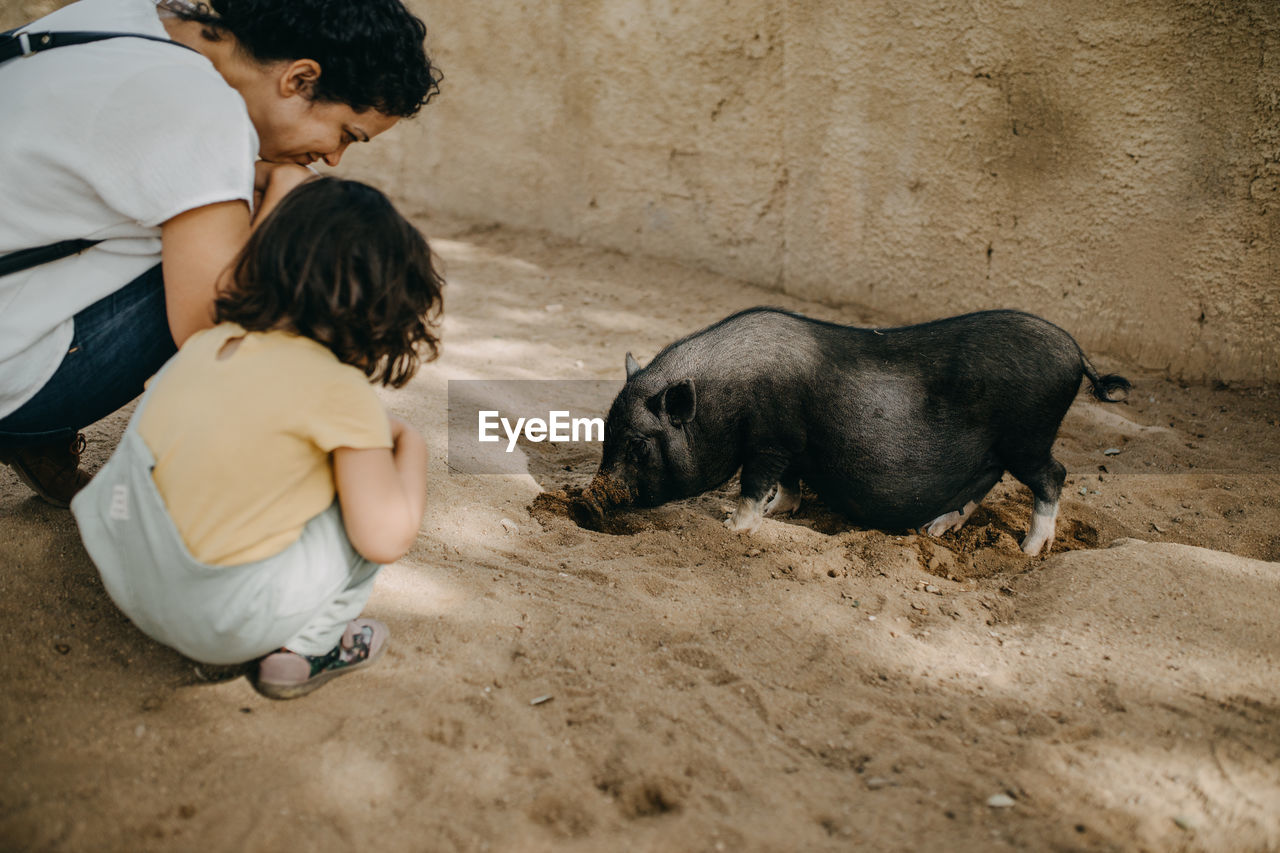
{"points": [[674, 686]]}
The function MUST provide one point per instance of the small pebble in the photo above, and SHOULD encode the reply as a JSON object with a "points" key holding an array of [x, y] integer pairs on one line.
{"points": [[933, 589], [547, 697], [1084, 490], [1185, 822], [554, 308], [1111, 451], [1000, 801], [139, 730], [875, 783]]}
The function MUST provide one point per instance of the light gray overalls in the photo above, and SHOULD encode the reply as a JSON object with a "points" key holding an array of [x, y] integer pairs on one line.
{"points": [[301, 598]]}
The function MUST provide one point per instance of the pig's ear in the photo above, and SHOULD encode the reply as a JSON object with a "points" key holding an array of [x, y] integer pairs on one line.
{"points": [[633, 366], [680, 401]]}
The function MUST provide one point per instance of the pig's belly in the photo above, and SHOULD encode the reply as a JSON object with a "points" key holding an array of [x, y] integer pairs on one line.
{"points": [[903, 490]]}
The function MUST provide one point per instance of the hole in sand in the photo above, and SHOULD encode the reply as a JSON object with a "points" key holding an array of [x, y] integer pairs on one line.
{"points": [[568, 502]]}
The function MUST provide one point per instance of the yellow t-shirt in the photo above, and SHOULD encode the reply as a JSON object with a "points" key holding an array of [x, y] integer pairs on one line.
{"points": [[242, 444]]}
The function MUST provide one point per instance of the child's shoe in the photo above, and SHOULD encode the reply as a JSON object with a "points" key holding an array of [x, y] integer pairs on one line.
{"points": [[288, 675]]}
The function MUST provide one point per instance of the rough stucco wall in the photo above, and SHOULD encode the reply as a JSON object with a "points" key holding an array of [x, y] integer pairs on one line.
{"points": [[634, 124], [1109, 168], [1113, 166]]}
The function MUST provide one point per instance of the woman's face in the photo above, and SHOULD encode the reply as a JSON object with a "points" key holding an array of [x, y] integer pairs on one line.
{"points": [[292, 128]]}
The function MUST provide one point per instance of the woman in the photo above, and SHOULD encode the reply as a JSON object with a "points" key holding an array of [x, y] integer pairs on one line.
{"points": [[149, 145]]}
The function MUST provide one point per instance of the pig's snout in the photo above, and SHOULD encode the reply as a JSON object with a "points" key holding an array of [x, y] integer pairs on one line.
{"points": [[604, 495], [608, 492], [588, 512]]}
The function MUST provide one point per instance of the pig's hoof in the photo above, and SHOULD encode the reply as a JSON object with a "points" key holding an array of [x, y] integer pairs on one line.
{"points": [[1032, 546], [745, 517], [942, 524], [738, 525], [949, 521], [784, 500]]}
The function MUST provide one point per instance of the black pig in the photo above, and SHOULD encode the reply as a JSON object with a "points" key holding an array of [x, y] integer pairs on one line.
{"points": [[895, 428]]}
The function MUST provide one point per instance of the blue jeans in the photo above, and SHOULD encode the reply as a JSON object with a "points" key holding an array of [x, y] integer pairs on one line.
{"points": [[120, 341]]}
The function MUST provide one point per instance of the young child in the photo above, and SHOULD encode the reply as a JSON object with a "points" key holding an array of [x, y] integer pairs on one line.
{"points": [[214, 524]]}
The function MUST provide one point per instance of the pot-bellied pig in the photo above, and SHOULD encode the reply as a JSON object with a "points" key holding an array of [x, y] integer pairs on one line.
{"points": [[895, 428]]}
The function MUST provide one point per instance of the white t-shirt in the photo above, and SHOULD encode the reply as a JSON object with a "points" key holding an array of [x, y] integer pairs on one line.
{"points": [[103, 141]]}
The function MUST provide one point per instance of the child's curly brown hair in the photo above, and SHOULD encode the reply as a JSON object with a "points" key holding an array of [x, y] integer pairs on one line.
{"points": [[337, 263]]}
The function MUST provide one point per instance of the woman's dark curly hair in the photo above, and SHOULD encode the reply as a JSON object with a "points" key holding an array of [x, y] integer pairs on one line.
{"points": [[336, 263], [370, 51]]}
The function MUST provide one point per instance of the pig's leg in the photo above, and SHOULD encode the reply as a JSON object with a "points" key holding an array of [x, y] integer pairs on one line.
{"points": [[1043, 527], [787, 498], [1045, 483], [968, 499], [759, 474]]}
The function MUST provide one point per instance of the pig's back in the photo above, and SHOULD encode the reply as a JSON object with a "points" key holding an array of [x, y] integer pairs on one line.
{"points": [[757, 344], [761, 339]]}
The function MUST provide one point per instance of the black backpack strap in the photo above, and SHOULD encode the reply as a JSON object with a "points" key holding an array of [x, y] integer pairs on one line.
{"points": [[28, 258], [19, 42]]}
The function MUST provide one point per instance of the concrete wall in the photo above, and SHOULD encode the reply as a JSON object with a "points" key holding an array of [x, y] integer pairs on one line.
{"points": [[1114, 166]]}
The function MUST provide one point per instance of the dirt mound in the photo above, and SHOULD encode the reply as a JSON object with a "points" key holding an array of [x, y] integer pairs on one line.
{"points": [[986, 546]]}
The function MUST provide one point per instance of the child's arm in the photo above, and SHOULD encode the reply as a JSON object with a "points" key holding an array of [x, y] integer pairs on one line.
{"points": [[383, 493]]}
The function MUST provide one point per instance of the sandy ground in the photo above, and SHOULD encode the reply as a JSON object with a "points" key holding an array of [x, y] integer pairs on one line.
{"points": [[813, 687]]}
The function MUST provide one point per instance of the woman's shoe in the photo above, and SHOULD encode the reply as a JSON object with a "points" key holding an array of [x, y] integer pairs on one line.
{"points": [[288, 675], [52, 471]]}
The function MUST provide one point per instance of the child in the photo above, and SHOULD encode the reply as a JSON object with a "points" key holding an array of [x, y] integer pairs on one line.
{"points": [[214, 524]]}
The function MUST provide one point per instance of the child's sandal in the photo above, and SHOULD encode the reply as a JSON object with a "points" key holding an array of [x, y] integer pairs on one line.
{"points": [[288, 675]]}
